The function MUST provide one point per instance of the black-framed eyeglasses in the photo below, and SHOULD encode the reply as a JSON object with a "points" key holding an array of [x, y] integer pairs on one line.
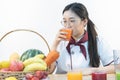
{"points": [[70, 22]]}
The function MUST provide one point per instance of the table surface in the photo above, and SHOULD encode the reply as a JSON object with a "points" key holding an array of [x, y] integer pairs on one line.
{"points": [[86, 77]]}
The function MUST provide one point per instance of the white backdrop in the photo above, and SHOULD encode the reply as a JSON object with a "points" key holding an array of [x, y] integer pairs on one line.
{"points": [[44, 16]]}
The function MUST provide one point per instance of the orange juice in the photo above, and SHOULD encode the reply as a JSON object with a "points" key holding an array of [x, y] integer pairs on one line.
{"points": [[74, 76], [69, 33]]}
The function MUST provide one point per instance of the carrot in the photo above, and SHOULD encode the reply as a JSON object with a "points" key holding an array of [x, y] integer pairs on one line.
{"points": [[51, 57]]}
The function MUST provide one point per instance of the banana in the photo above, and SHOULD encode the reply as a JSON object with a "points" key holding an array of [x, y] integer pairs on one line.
{"points": [[35, 67], [34, 60], [42, 56]]}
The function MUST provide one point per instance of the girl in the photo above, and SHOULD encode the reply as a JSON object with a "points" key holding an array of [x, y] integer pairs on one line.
{"points": [[86, 50]]}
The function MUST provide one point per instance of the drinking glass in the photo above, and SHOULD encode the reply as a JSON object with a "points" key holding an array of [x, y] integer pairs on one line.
{"points": [[69, 33], [116, 56], [74, 75], [99, 76]]}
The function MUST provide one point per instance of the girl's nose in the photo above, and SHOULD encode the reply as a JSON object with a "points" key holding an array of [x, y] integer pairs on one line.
{"points": [[68, 25]]}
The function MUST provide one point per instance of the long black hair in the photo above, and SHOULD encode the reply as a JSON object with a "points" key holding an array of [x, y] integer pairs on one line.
{"points": [[82, 12]]}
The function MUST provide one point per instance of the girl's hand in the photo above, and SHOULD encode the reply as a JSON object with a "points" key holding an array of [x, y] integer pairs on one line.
{"points": [[59, 37]]}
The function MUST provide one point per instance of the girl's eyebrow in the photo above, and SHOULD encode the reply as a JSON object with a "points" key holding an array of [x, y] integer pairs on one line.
{"points": [[70, 18]]}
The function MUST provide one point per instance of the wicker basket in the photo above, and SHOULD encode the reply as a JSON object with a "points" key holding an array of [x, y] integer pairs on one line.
{"points": [[19, 74]]}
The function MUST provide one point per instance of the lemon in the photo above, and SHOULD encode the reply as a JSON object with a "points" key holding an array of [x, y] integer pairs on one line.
{"points": [[5, 64], [0, 65], [10, 78]]}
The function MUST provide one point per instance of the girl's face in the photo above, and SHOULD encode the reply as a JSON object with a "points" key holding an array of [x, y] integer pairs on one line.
{"points": [[72, 21]]}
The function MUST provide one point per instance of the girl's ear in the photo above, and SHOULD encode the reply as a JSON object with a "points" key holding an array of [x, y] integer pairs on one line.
{"points": [[85, 21]]}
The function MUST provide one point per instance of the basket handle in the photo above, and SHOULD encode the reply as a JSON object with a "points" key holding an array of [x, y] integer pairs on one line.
{"points": [[28, 31]]}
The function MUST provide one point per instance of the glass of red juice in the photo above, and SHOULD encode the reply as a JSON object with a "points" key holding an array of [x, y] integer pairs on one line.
{"points": [[99, 76]]}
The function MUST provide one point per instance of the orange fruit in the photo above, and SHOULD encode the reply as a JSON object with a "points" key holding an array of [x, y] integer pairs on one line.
{"points": [[14, 56]]}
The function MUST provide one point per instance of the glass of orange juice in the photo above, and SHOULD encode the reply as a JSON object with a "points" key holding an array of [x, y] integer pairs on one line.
{"points": [[69, 33], [73, 75]]}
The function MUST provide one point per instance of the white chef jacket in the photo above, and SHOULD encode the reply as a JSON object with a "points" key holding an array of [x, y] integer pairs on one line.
{"points": [[78, 59]]}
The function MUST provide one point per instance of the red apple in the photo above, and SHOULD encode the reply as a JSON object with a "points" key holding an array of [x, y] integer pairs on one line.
{"points": [[5, 70], [45, 75], [35, 78], [16, 65], [39, 74], [28, 76]]}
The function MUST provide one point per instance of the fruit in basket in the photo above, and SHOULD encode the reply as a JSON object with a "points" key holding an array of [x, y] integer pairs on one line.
{"points": [[30, 53], [28, 76], [41, 74], [14, 56], [0, 65], [11, 78], [35, 78], [16, 65], [51, 57], [5, 70], [35, 67], [34, 60], [38, 75], [4, 64], [31, 77], [42, 56]]}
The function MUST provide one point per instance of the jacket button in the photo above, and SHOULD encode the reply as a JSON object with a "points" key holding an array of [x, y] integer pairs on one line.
{"points": [[72, 52]]}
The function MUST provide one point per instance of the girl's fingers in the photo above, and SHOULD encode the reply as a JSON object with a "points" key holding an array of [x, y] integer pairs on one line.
{"points": [[62, 37]]}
